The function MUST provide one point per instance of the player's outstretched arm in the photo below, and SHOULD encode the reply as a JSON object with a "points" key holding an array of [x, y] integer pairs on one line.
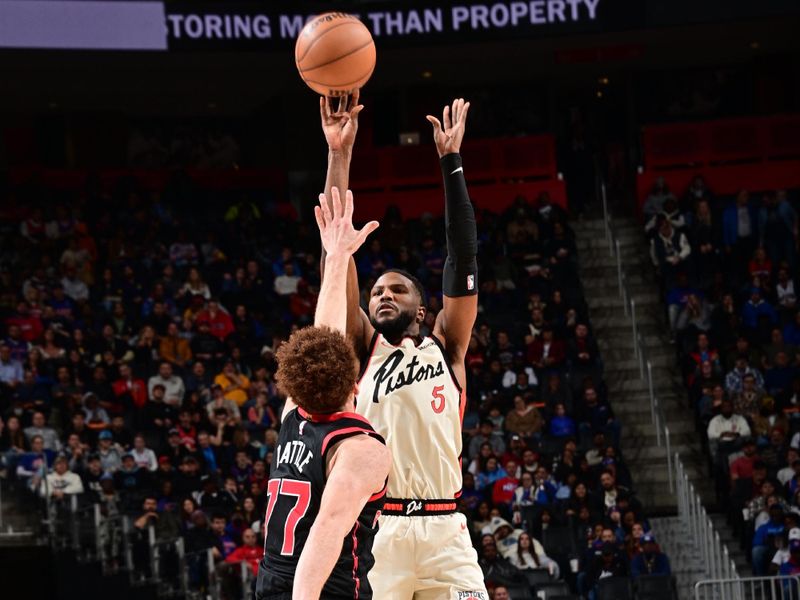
{"points": [[358, 469], [340, 240], [340, 128], [460, 280]]}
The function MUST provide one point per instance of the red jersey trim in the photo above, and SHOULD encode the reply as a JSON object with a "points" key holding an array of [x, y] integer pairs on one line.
{"points": [[356, 579], [327, 418], [447, 363], [345, 433], [378, 495]]}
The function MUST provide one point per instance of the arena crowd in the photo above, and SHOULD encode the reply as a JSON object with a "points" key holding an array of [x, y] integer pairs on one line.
{"points": [[137, 371], [727, 268]]}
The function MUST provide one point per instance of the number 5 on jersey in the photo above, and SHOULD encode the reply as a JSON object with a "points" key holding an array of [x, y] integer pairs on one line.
{"points": [[301, 491], [437, 404]]}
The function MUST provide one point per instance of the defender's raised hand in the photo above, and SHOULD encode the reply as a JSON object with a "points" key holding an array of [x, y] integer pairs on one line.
{"points": [[340, 127], [448, 138], [335, 222]]}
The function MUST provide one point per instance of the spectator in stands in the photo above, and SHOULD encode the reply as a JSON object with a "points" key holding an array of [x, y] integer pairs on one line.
{"points": [[164, 523], [757, 309], [174, 389], [739, 232], [486, 435], [496, 569], [40, 428], [110, 456], [777, 226], [608, 564], [250, 551], [235, 386], [504, 488], [651, 561], [742, 467], [530, 555], [561, 424], [142, 455], [175, 349], [764, 540], [34, 463], [158, 416], [669, 251], [524, 419], [220, 402], [726, 430], [654, 203], [130, 391], [61, 481], [11, 373], [734, 380]]}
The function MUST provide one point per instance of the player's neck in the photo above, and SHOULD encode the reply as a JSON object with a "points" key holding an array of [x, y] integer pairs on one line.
{"points": [[350, 405], [412, 332]]}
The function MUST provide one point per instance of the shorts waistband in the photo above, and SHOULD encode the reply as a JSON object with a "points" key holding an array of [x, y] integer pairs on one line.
{"points": [[409, 507]]}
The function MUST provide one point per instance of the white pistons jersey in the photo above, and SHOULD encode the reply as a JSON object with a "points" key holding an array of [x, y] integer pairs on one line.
{"points": [[410, 396]]}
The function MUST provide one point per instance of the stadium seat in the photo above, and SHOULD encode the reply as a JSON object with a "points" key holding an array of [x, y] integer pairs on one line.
{"points": [[548, 591], [614, 588], [655, 587], [558, 540], [537, 577], [520, 592]]}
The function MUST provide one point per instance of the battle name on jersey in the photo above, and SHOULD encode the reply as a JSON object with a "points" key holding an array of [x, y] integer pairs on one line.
{"points": [[411, 374], [296, 453]]}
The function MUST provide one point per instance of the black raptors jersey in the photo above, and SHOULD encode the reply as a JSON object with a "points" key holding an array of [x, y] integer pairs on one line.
{"points": [[296, 483]]}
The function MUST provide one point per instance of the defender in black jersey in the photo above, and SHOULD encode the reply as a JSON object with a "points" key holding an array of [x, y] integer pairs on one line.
{"points": [[329, 469], [296, 485]]}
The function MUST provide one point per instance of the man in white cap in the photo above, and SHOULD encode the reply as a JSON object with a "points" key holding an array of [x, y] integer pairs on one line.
{"points": [[783, 554]]}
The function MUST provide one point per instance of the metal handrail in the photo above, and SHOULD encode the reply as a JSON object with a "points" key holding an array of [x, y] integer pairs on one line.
{"points": [[714, 554]]}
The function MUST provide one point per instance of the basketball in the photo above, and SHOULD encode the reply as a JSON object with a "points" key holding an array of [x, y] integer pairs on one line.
{"points": [[335, 54]]}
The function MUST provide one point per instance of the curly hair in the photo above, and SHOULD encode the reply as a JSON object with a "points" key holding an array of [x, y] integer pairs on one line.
{"points": [[317, 368]]}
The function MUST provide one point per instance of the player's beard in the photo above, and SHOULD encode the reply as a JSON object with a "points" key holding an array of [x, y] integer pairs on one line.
{"points": [[394, 329]]}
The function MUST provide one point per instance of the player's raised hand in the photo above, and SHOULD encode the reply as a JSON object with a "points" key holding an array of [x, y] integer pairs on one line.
{"points": [[335, 222], [340, 126], [448, 137]]}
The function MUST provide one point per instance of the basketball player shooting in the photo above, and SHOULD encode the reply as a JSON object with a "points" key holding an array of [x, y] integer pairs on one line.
{"points": [[412, 388], [329, 470]]}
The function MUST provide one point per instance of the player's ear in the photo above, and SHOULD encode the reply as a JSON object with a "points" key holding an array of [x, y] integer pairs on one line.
{"points": [[421, 314]]}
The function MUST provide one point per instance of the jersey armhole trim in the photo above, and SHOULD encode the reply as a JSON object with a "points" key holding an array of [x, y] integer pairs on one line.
{"points": [[370, 352], [447, 362]]}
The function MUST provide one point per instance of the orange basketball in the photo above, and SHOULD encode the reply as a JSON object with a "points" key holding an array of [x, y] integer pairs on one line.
{"points": [[335, 54]]}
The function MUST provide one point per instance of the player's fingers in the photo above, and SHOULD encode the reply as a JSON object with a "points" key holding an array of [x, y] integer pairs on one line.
{"points": [[323, 105], [348, 206], [354, 98], [355, 111], [437, 126], [318, 216], [365, 231], [326, 210], [337, 203], [464, 113], [446, 117], [454, 111]]}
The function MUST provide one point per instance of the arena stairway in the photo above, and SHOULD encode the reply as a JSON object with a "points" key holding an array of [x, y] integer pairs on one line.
{"points": [[628, 392], [629, 395], [20, 523]]}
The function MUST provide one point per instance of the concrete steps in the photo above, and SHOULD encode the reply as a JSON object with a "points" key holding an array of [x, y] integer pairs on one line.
{"points": [[628, 392]]}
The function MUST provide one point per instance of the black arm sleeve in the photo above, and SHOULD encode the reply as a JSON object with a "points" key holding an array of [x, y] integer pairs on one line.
{"points": [[460, 276]]}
